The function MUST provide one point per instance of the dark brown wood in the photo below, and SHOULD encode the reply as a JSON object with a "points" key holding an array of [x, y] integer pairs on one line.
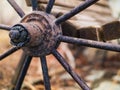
{"points": [[111, 30]]}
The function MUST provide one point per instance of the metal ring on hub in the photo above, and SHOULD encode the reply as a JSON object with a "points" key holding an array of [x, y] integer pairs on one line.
{"points": [[43, 33]]}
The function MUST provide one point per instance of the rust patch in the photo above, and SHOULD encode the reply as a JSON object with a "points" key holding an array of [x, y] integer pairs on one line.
{"points": [[42, 31]]}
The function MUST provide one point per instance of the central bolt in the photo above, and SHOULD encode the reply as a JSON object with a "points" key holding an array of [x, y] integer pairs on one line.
{"points": [[14, 35], [19, 36], [36, 33]]}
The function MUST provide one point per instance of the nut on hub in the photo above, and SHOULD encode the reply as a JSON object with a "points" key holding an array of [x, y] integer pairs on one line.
{"points": [[19, 35], [37, 33]]}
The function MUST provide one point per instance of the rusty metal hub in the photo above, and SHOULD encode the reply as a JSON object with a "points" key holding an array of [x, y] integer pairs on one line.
{"points": [[37, 33]]}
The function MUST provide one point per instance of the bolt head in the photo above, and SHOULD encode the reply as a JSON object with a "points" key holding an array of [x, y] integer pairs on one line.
{"points": [[14, 34], [18, 35]]}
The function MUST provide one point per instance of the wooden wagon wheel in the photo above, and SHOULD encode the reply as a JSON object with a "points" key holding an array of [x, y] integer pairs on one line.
{"points": [[39, 34]]}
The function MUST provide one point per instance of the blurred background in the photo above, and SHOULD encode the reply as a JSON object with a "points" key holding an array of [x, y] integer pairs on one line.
{"points": [[99, 68]]}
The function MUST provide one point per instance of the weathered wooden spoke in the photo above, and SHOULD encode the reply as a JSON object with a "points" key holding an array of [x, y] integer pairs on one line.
{"points": [[16, 7], [90, 43], [9, 52], [74, 11], [34, 4], [18, 70], [39, 33], [45, 73], [50, 6], [23, 72], [5, 27], [67, 67]]}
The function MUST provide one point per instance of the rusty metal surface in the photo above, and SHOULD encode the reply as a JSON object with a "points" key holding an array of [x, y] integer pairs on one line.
{"points": [[18, 35], [42, 32], [39, 34]]}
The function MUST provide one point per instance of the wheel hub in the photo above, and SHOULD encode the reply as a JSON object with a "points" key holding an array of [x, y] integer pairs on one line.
{"points": [[37, 34]]}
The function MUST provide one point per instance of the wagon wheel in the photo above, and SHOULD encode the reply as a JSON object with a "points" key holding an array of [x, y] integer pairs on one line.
{"points": [[39, 34]]}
